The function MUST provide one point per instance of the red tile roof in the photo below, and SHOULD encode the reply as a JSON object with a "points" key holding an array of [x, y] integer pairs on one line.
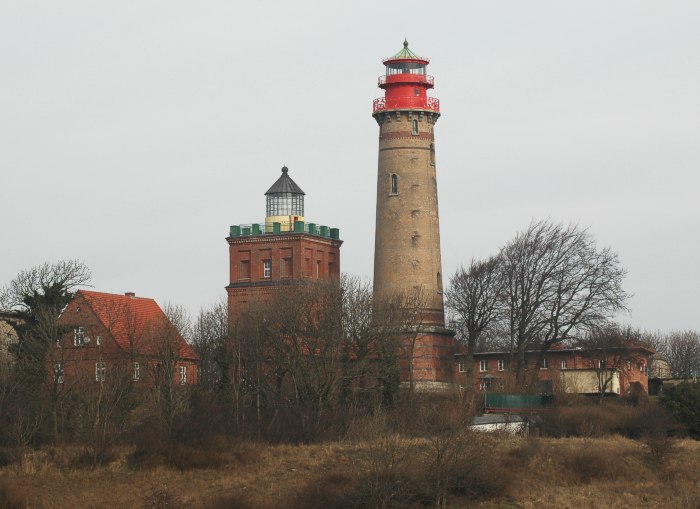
{"points": [[132, 322]]}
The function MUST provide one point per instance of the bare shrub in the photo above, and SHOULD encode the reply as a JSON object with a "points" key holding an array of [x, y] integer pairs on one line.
{"points": [[587, 464], [529, 450], [336, 489], [160, 497], [231, 501], [593, 421], [387, 464], [11, 497]]}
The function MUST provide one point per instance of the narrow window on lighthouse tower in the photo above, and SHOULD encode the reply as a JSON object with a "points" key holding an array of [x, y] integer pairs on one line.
{"points": [[394, 184], [415, 127]]}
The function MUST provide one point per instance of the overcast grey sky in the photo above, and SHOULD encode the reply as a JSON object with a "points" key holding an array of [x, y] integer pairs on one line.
{"points": [[134, 133]]}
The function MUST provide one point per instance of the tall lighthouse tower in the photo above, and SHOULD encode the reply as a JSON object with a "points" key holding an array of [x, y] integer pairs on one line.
{"points": [[407, 259]]}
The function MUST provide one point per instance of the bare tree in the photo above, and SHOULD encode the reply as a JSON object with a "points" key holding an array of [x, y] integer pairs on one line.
{"points": [[164, 341], [476, 297], [209, 335], [38, 296], [682, 350], [607, 349], [361, 336], [558, 286]]}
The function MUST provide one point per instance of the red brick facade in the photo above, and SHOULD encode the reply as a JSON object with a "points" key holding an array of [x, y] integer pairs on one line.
{"points": [[260, 263], [564, 370], [118, 335]]}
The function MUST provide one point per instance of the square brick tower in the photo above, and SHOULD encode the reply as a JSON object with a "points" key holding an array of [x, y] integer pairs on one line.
{"points": [[265, 256], [407, 258]]}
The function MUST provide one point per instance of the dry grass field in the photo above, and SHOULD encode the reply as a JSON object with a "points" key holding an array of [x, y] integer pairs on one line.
{"points": [[481, 472]]}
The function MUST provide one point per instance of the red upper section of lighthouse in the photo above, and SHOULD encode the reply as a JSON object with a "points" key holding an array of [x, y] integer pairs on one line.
{"points": [[406, 83]]}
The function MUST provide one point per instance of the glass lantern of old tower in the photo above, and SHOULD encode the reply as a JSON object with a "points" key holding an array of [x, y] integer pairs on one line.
{"points": [[285, 203]]}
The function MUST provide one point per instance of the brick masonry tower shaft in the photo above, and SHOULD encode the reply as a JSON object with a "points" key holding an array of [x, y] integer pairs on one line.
{"points": [[407, 258]]}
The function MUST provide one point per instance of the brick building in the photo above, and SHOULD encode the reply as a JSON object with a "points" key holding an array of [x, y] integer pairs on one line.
{"points": [[284, 248], [119, 335], [615, 370]]}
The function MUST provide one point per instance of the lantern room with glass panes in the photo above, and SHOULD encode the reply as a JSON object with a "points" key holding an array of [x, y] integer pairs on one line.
{"points": [[285, 203]]}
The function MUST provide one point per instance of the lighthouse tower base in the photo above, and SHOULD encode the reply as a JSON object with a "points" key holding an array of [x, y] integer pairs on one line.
{"points": [[427, 360]]}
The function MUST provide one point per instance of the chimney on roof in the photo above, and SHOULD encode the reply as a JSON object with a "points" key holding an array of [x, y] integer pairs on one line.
{"points": [[130, 294]]}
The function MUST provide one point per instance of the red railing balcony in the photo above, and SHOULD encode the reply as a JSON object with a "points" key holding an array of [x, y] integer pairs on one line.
{"points": [[380, 104], [434, 104], [405, 78]]}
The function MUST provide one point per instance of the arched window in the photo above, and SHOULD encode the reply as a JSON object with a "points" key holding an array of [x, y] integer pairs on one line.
{"points": [[394, 184], [432, 154], [415, 126]]}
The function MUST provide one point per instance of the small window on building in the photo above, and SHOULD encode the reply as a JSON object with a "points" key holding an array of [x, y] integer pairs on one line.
{"points": [[394, 184], [462, 366], [100, 371], [483, 365], [78, 336], [135, 372], [415, 127], [286, 267], [641, 366], [629, 364], [183, 375], [502, 364], [432, 154], [544, 365], [58, 372], [98, 340], [601, 363], [416, 92], [485, 384], [564, 364], [244, 271], [318, 269], [267, 268]]}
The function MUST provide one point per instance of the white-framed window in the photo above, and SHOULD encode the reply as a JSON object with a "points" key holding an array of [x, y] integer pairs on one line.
{"points": [[629, 364], [267, 268], [98, 340], [414, 130], [483, 365], [564, 364], [485, 384], [135, 372], [641, 366], [544, 364], [462, 365], [183, 375], [58, 372], [100, 371], [502, 363], [601, 363], [78, 336]]}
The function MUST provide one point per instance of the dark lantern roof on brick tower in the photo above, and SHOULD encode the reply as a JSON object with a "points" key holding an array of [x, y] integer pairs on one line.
{"points": [[285, 184]]}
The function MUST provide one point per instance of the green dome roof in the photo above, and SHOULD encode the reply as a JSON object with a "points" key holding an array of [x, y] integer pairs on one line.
{"points": [[406, 54]]}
